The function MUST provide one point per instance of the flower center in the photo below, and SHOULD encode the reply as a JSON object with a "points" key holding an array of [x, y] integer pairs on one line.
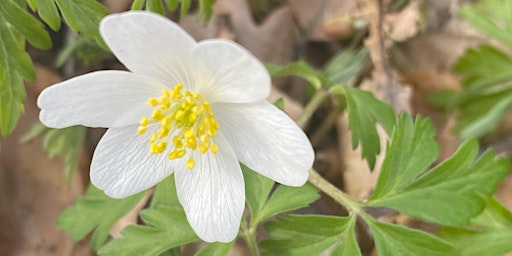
{"points": [[185, 120]]}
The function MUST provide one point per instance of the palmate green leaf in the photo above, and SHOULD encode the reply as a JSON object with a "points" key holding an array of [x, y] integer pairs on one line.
{"points": [[491, 17], [18, 17], [310, 235], [47, 10], [411, 150], [483, 114], [491, 242], [487, 95], [300, 69], [167, 227], [216, 249], [451, 193], [482, 67], [364, 112], [395, 240], [283, 198], [95, 211], [84, 16], [286, 198], [491, 233], [15, 65]]}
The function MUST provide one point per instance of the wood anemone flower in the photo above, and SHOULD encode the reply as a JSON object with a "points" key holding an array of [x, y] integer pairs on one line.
{"points": [[195, 109]]}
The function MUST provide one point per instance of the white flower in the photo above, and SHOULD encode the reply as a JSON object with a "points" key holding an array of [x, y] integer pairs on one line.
{"points": [[190, 108]]}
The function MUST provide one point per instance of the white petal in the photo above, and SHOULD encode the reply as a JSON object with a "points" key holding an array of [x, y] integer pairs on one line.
{"points": [[98, 99], [213, 194], [122, 164], [267, 140], [149, 44], [226, 72]]}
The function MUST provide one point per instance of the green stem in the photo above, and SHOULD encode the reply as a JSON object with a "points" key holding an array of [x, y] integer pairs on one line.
{"points": [[339, 196], [315, 102], [316, 179], [249, 235]]}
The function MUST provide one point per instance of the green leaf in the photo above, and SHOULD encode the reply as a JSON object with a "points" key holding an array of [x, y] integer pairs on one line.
{"points": [[483, 66], [345, 66], [84, 16], [364, 111], [172, 5], [15, 64], [138, 4], [308, 234], [26, 24], [206, 9], [32, 4], [155, 6], [66, 143], [483, 115], [48, 11], [216, 249], [185, 6], [348, 245], [491, 17], [300, 69], [491, 234], [495, 215], [257, 189], [95, 211], [393, 240], [479, 243], [167, 227], [451, 193], [285, 198], [487, 94], [165, 194], [409, 153]]}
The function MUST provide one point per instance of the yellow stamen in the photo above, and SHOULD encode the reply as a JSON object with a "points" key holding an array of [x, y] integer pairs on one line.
{"points": [[190, 163], [184, 121]]}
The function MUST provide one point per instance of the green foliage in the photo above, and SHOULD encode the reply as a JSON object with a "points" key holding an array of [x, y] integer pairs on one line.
{"points": [[166, 227], [16, 26], [205, 7], [215, 249], [451, 193], [96, 212], [486, 72], [282, 199], [84, 16], [66, 143], [491, 17], [487, 94], [345, 66], [392, 240], [310, 235], [364, 112], [47, 10], [490, 235], [300, 69]]}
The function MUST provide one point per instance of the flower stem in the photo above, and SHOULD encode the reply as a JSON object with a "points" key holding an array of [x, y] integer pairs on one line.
{"points": [[315, 102], [316, 179], [249, 235], [329, 189]]}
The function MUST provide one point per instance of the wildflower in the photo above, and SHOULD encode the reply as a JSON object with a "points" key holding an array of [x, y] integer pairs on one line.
{"points": [[195, 109]]}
